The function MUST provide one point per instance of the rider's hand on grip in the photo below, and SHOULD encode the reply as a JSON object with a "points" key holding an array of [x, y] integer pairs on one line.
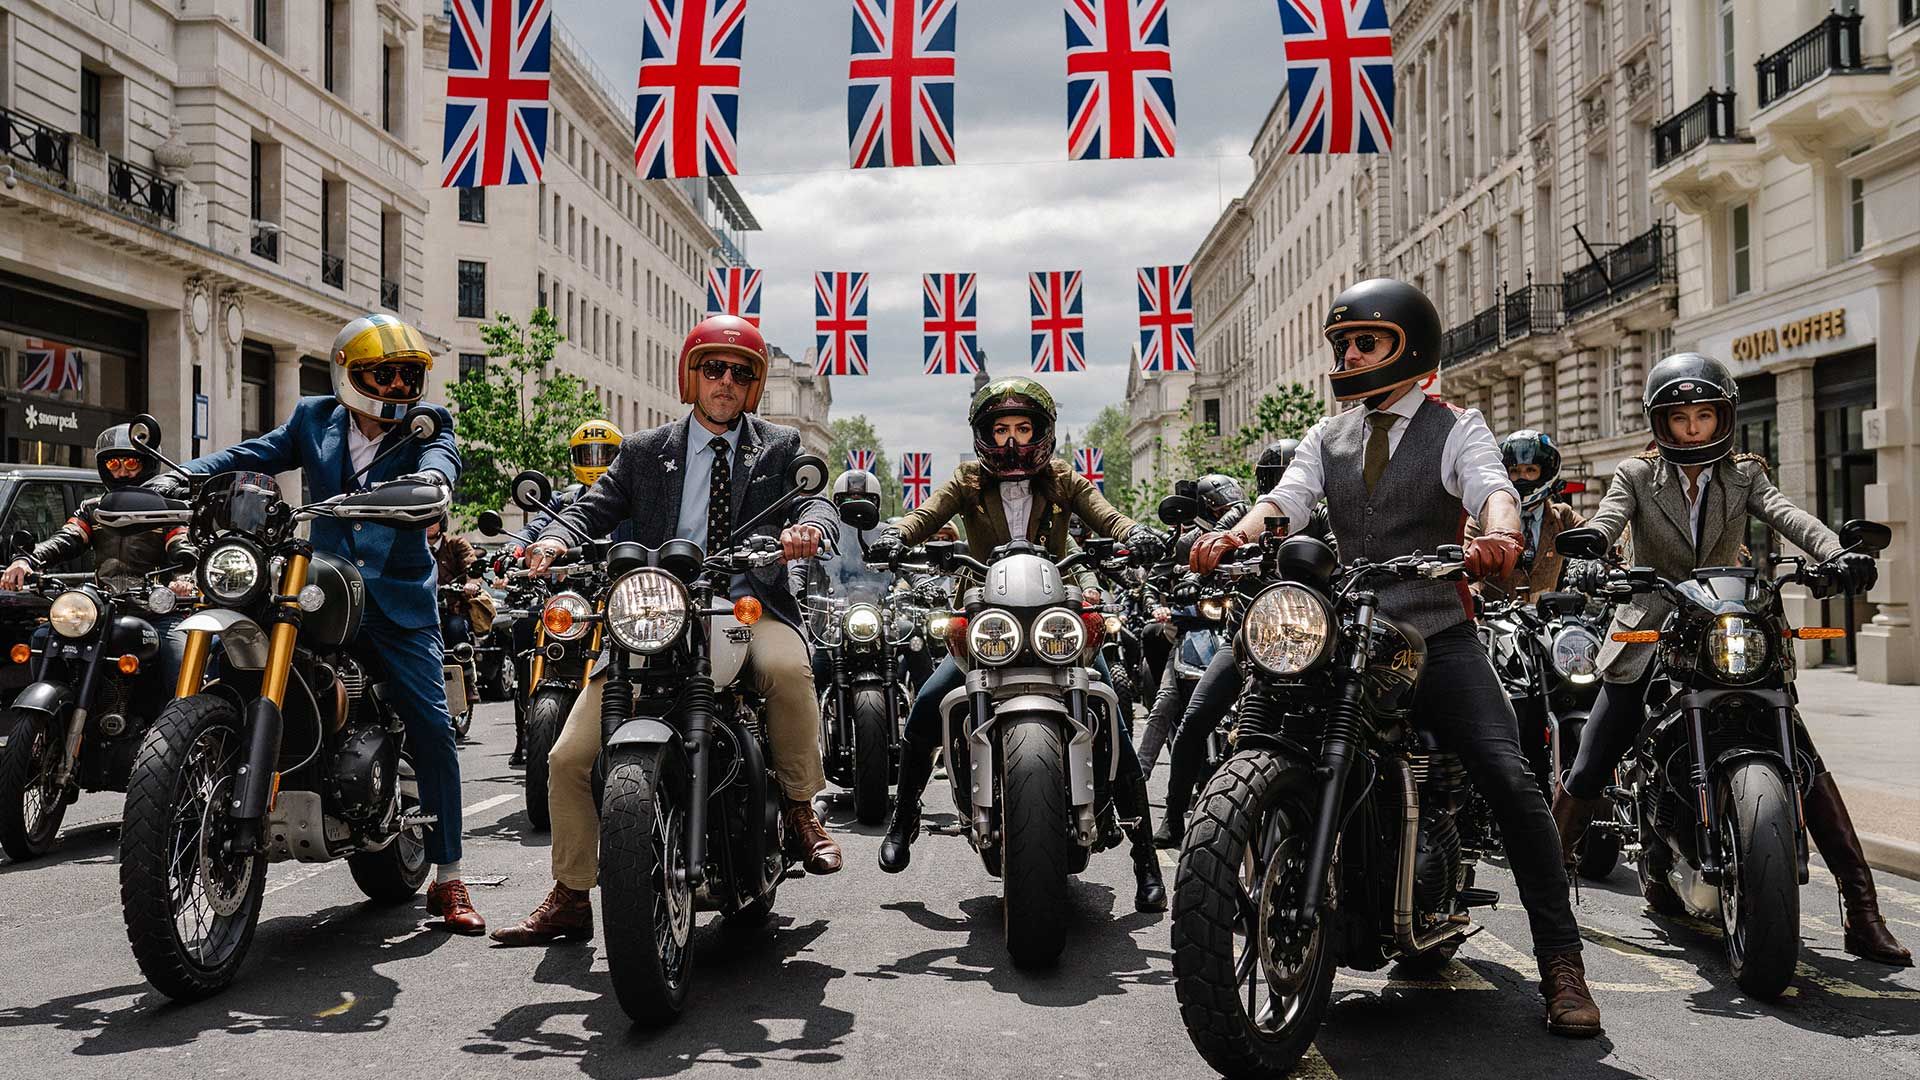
{"points": [[1494, 554], [1210, 548], [1144, 544], [886, 548], [1857, 572], [541, 555]]}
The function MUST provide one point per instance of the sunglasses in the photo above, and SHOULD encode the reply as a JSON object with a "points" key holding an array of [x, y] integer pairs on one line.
{"points": [[715, 370], [1365, 341], [410, 375], [124, 463]]}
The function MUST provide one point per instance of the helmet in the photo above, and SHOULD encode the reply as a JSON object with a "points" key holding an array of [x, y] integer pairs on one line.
{"points": [[117, 442], [1691, 379], [856, 484], [1398, 310], [380, 345], [733, 336], [1220, 499], [1273, 463], [1016, 396], [1530, 447], [591, 448]]}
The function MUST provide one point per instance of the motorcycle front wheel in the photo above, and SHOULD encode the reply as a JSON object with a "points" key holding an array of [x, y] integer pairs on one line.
{"points": [[31, 804], [1759, 886], [646, 900], [546, 715], [1036, 850], [872, 755], [190, 903]]}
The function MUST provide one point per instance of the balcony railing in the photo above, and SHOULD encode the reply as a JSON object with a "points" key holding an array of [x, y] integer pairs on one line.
{"points": [[34, 142], [1629, 268], [266, 240], [1709, 118], [333, 270], [1834, 45], [389, 294], [143, 188], [1533, 309], [1471, 338]]}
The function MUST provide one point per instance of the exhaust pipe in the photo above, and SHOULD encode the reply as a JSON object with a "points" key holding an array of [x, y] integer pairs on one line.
{"points": [[1403, 936]]}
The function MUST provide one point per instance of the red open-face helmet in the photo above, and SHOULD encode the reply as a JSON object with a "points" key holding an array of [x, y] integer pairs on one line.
{"points": [[731, 338]]}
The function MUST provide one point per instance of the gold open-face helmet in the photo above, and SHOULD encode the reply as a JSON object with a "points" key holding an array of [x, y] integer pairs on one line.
{"points": [[380, 366]]}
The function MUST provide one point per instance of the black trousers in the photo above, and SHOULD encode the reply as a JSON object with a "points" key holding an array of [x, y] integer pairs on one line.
{"points": [[925, 727], [1459, 699], [1190, 718]]}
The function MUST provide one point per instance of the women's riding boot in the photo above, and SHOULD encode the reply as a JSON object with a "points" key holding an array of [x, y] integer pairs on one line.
{"points": [[518, 758], [1831, 828], [1571, 815], [916, 766], [1150, 892]]}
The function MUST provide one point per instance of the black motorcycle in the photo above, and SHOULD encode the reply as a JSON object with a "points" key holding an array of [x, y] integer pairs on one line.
{"points": [[1708, 801], [458, 666], [1329, 838]]}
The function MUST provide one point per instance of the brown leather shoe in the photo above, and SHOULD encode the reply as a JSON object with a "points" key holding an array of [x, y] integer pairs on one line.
{"points": [[449, 901], [565, 915], [1570, 1008], [1831, 829], [807, 839]]}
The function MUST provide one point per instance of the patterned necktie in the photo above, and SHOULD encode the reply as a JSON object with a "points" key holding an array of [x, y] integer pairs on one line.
{"points": [[1376, 462], [720, 497]]}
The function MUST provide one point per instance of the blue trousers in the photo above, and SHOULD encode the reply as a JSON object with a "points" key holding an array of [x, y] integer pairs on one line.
{"points": [[409, 663]]}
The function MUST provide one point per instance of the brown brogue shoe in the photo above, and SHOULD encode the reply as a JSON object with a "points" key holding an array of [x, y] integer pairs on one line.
{"points": [[450, 902], [807, 839], [565, 915]]}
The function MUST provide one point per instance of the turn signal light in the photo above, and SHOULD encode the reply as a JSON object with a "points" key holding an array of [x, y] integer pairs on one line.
{"points": [[747, 610], [1817, 633], [957, 635], [1637, 637], [21, 653], [129, 664], [557, 619]]}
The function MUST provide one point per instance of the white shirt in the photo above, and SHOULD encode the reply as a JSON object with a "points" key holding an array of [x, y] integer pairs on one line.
{"points": [[1698, 503], [1470, 465], [1016, 498], [360, 448]]}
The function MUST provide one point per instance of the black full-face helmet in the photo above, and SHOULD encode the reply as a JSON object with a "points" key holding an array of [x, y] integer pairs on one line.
{"points": [[1222, 503], [1530, 447], [1382, 306], [117, 444], [1273, 463], [1691, 379]]}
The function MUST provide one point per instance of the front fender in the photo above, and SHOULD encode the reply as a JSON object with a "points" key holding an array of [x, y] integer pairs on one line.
{"points": [[242, 639], [48, 699], [643, 731]]}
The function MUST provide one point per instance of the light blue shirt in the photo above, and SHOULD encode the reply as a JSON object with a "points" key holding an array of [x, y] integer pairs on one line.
{"points": [[696, 485]]}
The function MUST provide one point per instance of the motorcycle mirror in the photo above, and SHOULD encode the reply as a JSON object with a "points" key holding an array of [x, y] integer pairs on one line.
{"points": [[422, 422], [861, 514], [807, 475], [144, 430], [1870, 537], [20, 542], [532, 491], [1100, 547], [1178, 510], [1584, 542], [490, 523]]}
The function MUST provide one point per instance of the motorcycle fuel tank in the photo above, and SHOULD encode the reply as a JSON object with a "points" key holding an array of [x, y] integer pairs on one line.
{"points": [[338, 621], [1023, 581]]}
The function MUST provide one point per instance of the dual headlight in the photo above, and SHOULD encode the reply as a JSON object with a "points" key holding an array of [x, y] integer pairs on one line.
{"points": [[232, 574], [646, 610], [863, 623], [1738, 647], [994, 637], [1288, 630], [73, 614]]}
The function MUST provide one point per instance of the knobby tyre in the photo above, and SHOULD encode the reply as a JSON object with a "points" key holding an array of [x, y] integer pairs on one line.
{"points": [[394, 874], [872, 755], [1760, 887], [31, 804], [546, 714], [646, 902]]}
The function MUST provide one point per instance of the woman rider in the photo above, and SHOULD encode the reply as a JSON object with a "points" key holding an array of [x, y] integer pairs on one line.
{"points": [[1015, 488]]}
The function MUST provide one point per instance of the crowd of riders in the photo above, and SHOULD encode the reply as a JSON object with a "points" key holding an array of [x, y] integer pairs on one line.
{"points": [[1400, 471]]}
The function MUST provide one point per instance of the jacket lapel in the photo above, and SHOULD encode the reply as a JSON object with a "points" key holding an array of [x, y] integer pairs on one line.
{"points": [[996, 519], [673, 465], [1714, 521], [333, 447], [745, 457], [1672, 500]]}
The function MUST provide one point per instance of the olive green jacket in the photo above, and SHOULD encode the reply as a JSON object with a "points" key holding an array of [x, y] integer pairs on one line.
{"points": [[1059, 495]]}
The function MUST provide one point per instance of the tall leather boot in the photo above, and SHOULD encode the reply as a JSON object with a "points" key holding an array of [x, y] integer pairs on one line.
{"points": [[916, 766], [1832, 831], [1571, 816], [1150, 892]]}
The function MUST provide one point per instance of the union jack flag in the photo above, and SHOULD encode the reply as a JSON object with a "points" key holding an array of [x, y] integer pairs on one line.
{"points": [[51, 367], [1092, 464], [950, 323], [916, 479], [497, 82], [1339, 65], [1059, 326], [860, 460], [1119, 79], [734, 290], [686, 119], [840, 322], [1166, 318], [900, 83]]}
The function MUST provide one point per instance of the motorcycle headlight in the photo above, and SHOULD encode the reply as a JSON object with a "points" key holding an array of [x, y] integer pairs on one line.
{"points": [[993, 637], [231, 574], [1287, 630], [1738, 647], [565, 616], [73, 614], [1058, 636], [937, 622], [1576, 652], [1113, 625], [1213, 608], [863, 622], [646, 610]]}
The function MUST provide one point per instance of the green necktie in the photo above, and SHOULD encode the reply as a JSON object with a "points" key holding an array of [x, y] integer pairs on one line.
{"points": [[1376, 462]]}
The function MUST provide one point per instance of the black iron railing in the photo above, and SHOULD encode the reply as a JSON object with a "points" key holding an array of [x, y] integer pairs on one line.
{"points": [[1533, 309], [390, 294], [333, 270], [1471, 338], [1709, 118], [1627, 269], [34, 142], [143, 188], [266, 240], [1834, 45]]}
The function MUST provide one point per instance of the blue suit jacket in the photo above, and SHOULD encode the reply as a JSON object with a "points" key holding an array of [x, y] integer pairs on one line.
{"points": [[398, 568]]}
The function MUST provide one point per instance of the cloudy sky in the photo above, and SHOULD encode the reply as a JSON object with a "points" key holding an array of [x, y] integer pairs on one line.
{"points": [[1012, 205]]}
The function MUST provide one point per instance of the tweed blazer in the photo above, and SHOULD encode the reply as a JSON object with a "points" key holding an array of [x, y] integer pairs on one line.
{"points": [[974, 496]]}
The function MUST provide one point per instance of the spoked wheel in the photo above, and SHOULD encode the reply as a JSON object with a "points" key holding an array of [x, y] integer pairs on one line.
{"points": [[190, 902], [32, 804], [1253, 987], [646, 899], [1759, 886]]}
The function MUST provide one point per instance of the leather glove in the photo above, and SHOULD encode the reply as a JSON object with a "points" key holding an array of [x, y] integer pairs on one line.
{"points": [[1586, 575], [170, 485], [1145, 543], [1210, 548], [1857, 571], [1493, 555], [887, 547]]}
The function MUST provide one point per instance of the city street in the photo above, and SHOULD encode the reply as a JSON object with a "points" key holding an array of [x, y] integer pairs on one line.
{"points": [[863, 974]]}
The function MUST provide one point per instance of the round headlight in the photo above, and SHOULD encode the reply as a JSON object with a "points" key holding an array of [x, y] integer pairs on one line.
{"points": [[1213, 608], [231, 572], [1058, 636], [993, 637], [646, 610], [1113, 625], [937, 624], [1738, 647], [863, 622], [73, 614], [565, 615], [1576, 652], [161, 600], [1288, 630]]}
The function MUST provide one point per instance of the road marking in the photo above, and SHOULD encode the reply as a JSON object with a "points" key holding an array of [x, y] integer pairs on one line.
{"points": [[1492, 948], [488, 804], [1672, 974], [1839, 987], [1455, 976], [314, 871], [1885, 891]]}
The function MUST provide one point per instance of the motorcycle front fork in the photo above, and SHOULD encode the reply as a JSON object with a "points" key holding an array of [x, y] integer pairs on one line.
{"points": [[82, 702]]}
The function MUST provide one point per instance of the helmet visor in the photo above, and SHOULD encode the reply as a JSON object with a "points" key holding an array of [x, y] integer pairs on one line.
{"points": [[400, 381], [594, 455]]}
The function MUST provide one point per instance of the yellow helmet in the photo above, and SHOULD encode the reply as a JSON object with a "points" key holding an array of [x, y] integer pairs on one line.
{"points": [[380, 366], [591, 448]]}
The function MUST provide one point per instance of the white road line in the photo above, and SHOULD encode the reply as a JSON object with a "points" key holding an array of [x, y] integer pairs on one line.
{"points": [[488, 804]]}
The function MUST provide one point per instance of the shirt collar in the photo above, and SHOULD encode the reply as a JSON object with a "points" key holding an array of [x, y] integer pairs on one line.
{"points": [[1408, 404], [697, 430]]}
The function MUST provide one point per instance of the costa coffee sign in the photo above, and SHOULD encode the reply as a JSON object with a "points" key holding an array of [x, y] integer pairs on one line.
{"points": [[1822, 326]]}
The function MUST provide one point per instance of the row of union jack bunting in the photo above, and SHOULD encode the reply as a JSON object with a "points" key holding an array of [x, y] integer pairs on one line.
{"points": [[916, 471], [950, 318], [1337, 65]]}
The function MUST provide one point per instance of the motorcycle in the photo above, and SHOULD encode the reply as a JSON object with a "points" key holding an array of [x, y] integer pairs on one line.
{"points": [[1329, 838], [690, 820], [1707, 803], [458, 666], [293, 753]]}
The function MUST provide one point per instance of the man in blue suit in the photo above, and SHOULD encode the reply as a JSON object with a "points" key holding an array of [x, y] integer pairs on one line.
{"points": [[379, 369]]}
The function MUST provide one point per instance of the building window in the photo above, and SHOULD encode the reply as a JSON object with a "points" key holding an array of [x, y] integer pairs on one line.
{"points": [[1724, 27], [473, 205], [1210, 415], [388, 64], [392, 233], [333, 231], [90, 105], [1740, 250], [329, 42], [473, 364], [263, 199], [473, 290], [1856, 215], [540, 289], [260, 21]]}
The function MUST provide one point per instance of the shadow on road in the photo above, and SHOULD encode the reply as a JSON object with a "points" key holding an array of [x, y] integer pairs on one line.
{"points": [[78, 844]]}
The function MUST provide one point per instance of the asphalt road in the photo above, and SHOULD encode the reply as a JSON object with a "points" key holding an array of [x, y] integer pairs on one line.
{"points": [[863, 974]]}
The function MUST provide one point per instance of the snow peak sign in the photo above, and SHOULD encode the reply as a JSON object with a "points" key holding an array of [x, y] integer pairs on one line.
{"points": [[1760, 344], [47, 421]]}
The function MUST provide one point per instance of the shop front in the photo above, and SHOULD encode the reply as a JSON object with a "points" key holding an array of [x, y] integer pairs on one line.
{"points": [[71, 365]]}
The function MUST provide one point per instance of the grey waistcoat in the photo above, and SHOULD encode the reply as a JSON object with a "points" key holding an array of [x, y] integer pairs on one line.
{"points": [[1409, 511]]}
